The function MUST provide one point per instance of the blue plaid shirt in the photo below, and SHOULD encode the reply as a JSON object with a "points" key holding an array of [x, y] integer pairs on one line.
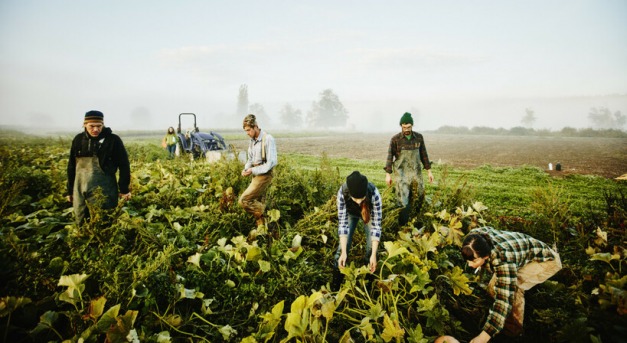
{"points": [[375, 214]]}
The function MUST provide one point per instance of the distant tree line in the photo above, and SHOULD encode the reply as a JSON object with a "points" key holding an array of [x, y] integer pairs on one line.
{"points": [[327, 112], [525, 131]]}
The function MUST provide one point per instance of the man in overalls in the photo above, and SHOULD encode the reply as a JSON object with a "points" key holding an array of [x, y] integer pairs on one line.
{"points": [[407, 150], [262, 157], [96, 156]]}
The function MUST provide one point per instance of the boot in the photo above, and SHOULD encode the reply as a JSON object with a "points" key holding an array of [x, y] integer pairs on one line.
{"points": [[403, 216]]}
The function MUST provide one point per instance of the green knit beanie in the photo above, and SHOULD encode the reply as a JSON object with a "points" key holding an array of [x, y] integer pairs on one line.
{"points": [[407, 119]]}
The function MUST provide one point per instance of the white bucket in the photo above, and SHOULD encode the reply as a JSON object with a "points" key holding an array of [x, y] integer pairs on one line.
{"points": [[213, 156]]}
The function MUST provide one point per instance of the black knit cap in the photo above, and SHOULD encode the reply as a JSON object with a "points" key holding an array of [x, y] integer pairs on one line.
{"points": [[94, 116], [357, 185]]}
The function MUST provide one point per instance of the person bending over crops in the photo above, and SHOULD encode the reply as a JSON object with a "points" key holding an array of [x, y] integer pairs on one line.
{"points": [[96, 156], [405, 153], [262, 157], [169, 141], [518, 262], [357, 199]]}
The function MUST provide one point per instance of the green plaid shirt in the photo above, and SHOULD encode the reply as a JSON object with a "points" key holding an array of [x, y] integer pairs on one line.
{"points": [[512, 251]]}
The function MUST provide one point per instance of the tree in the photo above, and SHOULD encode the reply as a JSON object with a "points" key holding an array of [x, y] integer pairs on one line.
{"points": [[602, 118], [529, 119], [242, 101], [291, 117], [328, 111]]}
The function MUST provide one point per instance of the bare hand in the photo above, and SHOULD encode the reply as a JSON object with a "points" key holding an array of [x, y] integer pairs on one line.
{"points": [[69, 198], [482, 338], [388, 179], [247, 172], [373, 263], [126, 196], [431, 178], [341, 262]]}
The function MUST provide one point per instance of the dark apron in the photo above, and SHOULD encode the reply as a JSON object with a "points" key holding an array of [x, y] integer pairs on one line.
{"points": [[407, 170], [89, 177]]}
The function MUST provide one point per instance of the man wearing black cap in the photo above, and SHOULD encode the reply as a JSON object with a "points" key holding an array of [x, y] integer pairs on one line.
{"points": [[406, 151], [96, 156], [357, 200]]}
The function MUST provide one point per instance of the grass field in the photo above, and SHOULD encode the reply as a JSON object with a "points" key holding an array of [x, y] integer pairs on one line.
{"points": [[182, 260], [499, 169]]}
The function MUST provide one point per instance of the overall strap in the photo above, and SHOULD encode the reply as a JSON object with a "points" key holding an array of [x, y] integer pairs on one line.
{"points": [[263, 148]]}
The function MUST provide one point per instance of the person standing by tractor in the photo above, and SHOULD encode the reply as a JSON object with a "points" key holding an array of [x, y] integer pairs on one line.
{"points": [[170, 141], [96, 155], [405, 153], [262, 158]]}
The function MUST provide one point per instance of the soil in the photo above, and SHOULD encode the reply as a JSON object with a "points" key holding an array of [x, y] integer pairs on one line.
{"points": [[605, 157]]}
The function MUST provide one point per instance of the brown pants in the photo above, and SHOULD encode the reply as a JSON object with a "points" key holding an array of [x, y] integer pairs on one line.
{"points": [[253, 198], [528, 276]]}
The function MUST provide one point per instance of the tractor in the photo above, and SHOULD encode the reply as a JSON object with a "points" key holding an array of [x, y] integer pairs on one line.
{"points": [[209, 145]]}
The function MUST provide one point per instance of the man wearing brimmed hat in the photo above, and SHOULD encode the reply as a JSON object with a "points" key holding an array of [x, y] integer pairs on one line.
{"points": [[357, 199], [96, 156], [406, 152]]}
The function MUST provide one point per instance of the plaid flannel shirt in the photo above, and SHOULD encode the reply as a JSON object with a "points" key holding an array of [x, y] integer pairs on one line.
{"points": [[375, 214], [512, 250]]}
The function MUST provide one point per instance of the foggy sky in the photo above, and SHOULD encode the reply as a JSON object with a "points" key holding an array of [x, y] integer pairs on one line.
{"points": [[470, 63]]}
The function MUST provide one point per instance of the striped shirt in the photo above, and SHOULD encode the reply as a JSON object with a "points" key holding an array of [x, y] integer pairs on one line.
{"points": [[375, 213], [511, 251]]}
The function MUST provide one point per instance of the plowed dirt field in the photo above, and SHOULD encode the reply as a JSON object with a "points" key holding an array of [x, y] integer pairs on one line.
{"points": [[605, 157]]}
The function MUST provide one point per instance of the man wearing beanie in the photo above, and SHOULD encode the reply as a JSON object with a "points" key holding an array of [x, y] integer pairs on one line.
{"points": [[96, 156], [357, 200], [406, 151]]}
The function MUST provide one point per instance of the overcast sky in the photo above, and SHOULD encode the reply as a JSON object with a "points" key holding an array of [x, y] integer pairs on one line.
{"points": [[471, 63]]}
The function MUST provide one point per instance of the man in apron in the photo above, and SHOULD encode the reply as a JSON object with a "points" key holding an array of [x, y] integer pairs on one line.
{"points": [[262, 157], [406, 151], [96, 156]]}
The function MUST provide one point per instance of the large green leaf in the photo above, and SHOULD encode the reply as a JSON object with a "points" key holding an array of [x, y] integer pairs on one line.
{"points": [[459, 281], [394, 249], [75, 287], [108, 318], [392, 329]]}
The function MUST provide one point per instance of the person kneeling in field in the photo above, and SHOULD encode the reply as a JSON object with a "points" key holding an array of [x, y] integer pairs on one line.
{"points": [[357, 199], [519, 262]]}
